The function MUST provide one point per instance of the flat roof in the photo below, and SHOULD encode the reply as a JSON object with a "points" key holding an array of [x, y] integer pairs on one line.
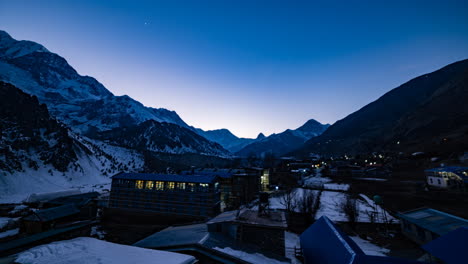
{"points": [[433, 220], [166, 177]]}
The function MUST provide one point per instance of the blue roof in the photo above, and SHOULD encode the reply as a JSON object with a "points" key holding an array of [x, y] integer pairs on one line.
{"points": [[433, 220], [449, 169], [166, 177], [451, 248], [460, 171], [323, 242], [210, 173]]}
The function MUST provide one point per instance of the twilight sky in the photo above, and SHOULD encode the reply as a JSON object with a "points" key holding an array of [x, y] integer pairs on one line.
{"points": [[249, 66]]}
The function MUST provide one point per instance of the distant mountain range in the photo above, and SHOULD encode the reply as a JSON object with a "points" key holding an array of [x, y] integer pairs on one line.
{"points": [[282, 143], [228, 140], [60, 129], [427, 114]]}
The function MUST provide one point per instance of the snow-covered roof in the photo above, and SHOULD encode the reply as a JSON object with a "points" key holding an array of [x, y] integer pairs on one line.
{"points": [[93, 251], [433, 220], [53, 213]]}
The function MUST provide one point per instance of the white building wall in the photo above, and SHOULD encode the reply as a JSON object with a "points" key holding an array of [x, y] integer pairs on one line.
{"points": [[438, 182]]}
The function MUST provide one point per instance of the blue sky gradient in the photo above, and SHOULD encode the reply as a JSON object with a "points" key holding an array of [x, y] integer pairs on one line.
{"points": [[249, 66]]}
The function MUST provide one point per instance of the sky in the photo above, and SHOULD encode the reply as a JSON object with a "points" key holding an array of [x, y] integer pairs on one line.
{"points": [[248, 66]]}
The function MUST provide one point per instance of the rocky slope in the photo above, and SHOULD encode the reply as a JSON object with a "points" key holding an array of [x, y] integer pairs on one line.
{"points": [[428, 113], [39, 154]]}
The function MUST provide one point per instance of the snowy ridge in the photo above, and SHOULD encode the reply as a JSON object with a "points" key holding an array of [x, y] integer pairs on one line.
{"points": [[79, 101]]}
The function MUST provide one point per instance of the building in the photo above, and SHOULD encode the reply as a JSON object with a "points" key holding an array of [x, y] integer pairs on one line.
{"points": [[239, 230], [246, 226], [447, 177], [237, 186], [323, 242], [46, 219], [426, 224], [190, 195], [450, 248]]}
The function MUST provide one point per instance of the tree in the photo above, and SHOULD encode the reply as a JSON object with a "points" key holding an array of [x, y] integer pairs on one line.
{"points": [[288, 200], [351, 210]]}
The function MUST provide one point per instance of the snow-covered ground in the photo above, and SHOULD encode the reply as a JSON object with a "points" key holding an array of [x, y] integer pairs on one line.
{"points": [[291, 241], [11, 232], [336, 186], [330, 205], [93, 251], [369, 248], [4, 221], [254, 258], [279, 203], [91, 172]]}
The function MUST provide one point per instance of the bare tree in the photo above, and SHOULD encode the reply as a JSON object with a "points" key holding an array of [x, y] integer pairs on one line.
{"points": [[350, 208], [288, 200], [305, 203]]}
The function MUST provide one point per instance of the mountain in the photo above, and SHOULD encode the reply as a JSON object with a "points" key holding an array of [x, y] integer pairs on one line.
{"points": [[228, 140], [84, 104], [162, 137], [428, 113], [279, 144], [78, 101], [38, 153]]}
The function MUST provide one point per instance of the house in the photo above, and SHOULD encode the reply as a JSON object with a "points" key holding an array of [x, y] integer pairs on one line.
{"points": [[450, 177], [247, 226], [451, 247], [86, 202], [189, 195], [43, 220], [426, 224], [239, 230], [323, 242]]}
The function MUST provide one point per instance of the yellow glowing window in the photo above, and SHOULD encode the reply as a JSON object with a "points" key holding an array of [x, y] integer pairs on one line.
{"points": [[170, 185], [204, 187], [191, 186], [139, 184], [181, 185], [159, 185], [149, 185]]}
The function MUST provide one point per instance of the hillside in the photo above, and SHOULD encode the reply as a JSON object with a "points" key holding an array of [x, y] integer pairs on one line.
{"points": [[428, 113]]}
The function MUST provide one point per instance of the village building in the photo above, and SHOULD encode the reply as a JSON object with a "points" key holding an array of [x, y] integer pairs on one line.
{"points": [[190, 195], [324, 242], [46, 219], [237, 186], [426, 224], [452, 177], [240, 230]]}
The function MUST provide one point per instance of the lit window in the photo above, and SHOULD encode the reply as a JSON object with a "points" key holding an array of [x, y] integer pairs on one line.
{"points": [[191, 187], [204, 187], [139, 184], [170, 185], [149, 185], [159, 185], [181, 185]]}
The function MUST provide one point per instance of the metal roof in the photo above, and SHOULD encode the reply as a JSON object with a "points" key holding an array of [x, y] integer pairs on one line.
{"points": [[222, 173], [323, 242], [166, 177], [53, 213], [451, 248], [433, 220]]}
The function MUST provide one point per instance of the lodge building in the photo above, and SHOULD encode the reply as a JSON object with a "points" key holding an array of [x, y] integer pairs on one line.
{"points": [[191, 195]]}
